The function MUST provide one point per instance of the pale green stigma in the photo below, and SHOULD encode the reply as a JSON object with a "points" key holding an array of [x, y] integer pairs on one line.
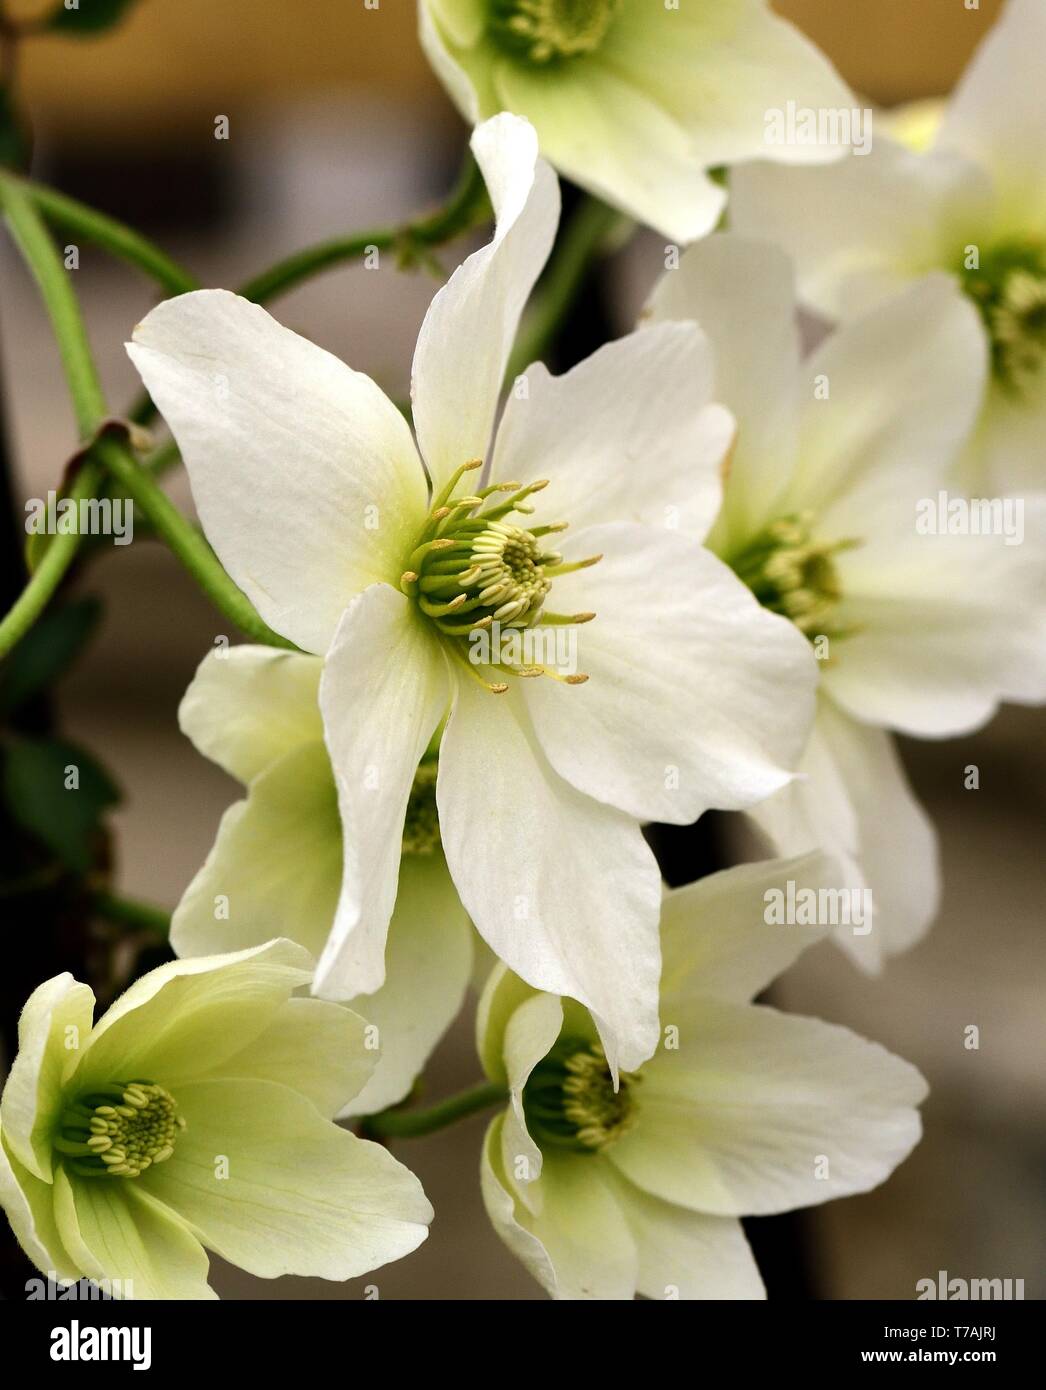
{"points": [[542, 31], [570, 1102], [793, 575], [119, 1130], [421, 824], [472, 569], [1009, 290]]}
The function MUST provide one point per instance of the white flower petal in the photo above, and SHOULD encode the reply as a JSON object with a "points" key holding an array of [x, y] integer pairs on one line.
{"points": [[685, 1254], [715, 938], [860, 230], [304, 473], [383, 692], [612, 138], [906, 382], [853, 801], [184, 1018], [629, 434], [742, 294], [697, 696], [578, 1244], [428, 961], [564, 889], [119, 1233], [946, 627], [465, 341], [276, 864], [301, 1196], [248, 706], [998, 111], [53, 1029], [530, 1035], [29, 1205], [754, 1104]]}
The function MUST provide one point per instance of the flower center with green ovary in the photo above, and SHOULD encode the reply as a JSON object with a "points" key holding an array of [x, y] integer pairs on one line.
{"points": [[541, 31], [794, 575], [1008, 288], [119, 1130], [474, 571], [570, 1103]]}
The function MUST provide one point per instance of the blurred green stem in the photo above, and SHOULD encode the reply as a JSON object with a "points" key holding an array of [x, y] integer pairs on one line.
{"points": [[410, 1124], [130, 913], [104, 451], [590, 229]]}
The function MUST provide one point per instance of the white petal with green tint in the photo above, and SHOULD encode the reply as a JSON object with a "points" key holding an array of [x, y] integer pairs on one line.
{"points": [[117, 1232], [759, 1112], [638, 408], [248, 706], [301, 1196], [685, 1254], [275, 866], [52, 1030], [428, 961], [467, 335], [185, 1018], [715, 938], [384, 690], [305, 475], [29, 1205]]}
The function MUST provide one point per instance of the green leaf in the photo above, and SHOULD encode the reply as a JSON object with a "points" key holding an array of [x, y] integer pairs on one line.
{"points": [[58, 793], [46, 651], [85, 18]]}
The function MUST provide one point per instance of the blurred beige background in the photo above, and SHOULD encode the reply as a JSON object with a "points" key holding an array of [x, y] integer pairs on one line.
{"points": [[337, 123]]}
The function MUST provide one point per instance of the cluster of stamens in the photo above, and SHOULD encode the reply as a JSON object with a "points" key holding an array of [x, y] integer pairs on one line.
{"points": [[1009, 291], [119, 1130], [472, 568], [542, 31], [791, 574], [421, 823], [569, 1100]]}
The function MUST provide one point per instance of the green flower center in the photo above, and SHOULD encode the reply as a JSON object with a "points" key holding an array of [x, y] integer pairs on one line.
{"points": [[542, 31], [792, 574], [473, 570], [570, 1102], [1009, 290], [421, 824], [119, 1130]]}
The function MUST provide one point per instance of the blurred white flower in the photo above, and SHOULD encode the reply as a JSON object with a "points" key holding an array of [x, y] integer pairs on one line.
{"points": [[636, 100], [964, 192], [276, 864], [311, 490], [742, 1111], [196, 1113], [836, 457]]}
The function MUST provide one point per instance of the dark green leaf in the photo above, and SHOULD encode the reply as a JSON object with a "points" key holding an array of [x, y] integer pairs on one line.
{"points": [[46, 651], [58, 793], [88, 17], [14, 145]]}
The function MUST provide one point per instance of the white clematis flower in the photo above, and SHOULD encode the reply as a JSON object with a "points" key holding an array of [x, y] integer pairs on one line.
{"points": [[196, 1113], [966, 194], [632, 99], [276, 864], [604, 1193], [311, 490], [917, 633]]}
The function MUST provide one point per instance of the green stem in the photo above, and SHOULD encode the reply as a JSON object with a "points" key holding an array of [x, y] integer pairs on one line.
{"points": [[185, 541], [32, 239], [121, 241], [409, 1124], [128, 912], [589, 230]]}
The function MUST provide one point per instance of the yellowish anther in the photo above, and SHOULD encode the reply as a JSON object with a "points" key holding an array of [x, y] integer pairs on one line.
{"points": [[579, 679], [409, 577]]}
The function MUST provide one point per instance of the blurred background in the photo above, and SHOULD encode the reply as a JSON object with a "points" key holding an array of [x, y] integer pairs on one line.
{"points": [[336, 123]]}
